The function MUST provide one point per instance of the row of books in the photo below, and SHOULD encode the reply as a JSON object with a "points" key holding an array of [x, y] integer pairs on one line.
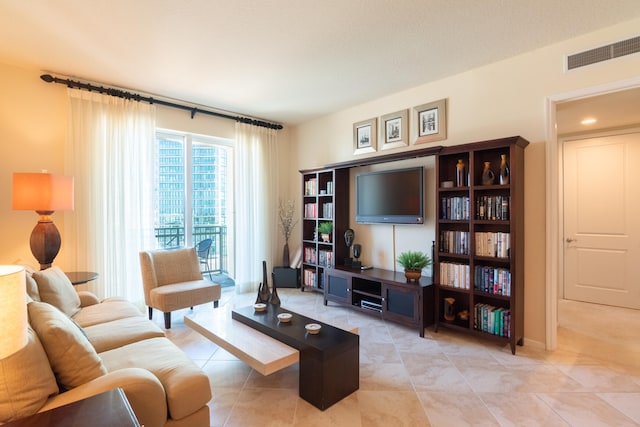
{"points": [[311, 210], [454, 242], [454, 208], [310, 278], [493, 244], [493, 320], [323, 257], [496, 281], [455, 275], [493, 207], [311, 187]]}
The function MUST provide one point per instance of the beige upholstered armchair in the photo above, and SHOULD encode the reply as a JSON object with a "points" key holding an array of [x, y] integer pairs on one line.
{"points": [[172, 280]]}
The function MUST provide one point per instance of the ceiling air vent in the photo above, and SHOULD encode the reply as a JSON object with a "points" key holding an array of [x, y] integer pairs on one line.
{"points": [[604, 53]]}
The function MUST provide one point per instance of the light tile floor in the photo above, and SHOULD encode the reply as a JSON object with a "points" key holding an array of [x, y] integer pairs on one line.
{"points": [[444, 379]]}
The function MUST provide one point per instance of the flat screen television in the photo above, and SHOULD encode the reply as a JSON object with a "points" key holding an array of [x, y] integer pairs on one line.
{"points": [[391, 197]]}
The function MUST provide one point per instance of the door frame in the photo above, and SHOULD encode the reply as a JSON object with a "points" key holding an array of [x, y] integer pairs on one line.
{"points": [[553, 193]]}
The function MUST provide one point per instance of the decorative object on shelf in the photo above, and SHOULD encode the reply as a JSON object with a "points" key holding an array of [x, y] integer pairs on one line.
{"points": [[264, 294], [286, 213], [449, 309], [429, 122], [44, 193], [349, 236], [464, 315], [393, 130], [325, 229], [413, 262], [504, 170], [488, 177], [365, 136], [357, 251], [460, 175]]}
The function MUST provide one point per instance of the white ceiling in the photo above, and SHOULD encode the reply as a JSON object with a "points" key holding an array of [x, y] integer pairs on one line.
{"points": [[285, 60]]}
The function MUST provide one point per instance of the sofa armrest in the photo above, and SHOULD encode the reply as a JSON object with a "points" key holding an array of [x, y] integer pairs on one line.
{"points": [[87, 298], [143, 390]]}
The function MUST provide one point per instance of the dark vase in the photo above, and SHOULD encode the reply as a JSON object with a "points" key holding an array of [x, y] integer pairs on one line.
{"points": [[263, 291], [488, 177], [285, 255], [504, 170], [275, 299]]}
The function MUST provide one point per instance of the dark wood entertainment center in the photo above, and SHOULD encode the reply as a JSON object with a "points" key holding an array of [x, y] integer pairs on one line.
{"points": [[383, 292], [484, 291]]}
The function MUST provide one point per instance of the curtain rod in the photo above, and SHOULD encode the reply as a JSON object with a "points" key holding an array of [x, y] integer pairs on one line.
{"points": [[140, 98]]}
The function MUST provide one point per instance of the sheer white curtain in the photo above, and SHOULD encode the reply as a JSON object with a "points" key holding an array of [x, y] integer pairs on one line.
{"points": [[256, 204], [110, 152]]}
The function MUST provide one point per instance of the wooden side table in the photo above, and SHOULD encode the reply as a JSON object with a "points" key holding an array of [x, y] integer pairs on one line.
{"points": [[107, 409], [81, 277]]}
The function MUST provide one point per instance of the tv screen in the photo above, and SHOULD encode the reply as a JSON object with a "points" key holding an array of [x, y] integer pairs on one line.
{"points": [[392, 197]]}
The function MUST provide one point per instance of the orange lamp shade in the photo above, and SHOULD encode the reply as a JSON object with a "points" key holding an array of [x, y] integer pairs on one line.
{"points": [[42, 192]]}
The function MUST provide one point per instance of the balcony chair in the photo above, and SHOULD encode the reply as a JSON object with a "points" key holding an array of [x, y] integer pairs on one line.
{"points": [[203, 248], [172, 281]]}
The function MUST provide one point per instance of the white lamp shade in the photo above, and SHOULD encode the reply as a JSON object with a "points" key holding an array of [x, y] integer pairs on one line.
{"points": [[42, 192], [13, 309]]}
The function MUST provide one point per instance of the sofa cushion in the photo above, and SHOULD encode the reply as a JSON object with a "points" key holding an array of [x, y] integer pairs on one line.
{"points": [[184, 294], [107, 311], [186, 386], [72, 357], [32, 287], [26, 381], [110, 335], [55, 288]]}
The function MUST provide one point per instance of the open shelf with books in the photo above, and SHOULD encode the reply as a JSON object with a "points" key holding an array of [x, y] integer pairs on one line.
{"points": [[325, 195], [479, 256]]}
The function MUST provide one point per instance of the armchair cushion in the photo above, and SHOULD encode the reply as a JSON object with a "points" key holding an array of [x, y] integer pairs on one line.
{"points": [[26, 381], [55, 288], [72, 357]]}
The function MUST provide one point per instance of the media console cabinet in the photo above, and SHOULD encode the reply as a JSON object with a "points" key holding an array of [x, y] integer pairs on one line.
{"points": [[382, 292]]}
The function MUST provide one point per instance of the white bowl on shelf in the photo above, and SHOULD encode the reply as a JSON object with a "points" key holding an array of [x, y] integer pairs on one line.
{"points": [[259, 306], [285, 317], [313, 328]]}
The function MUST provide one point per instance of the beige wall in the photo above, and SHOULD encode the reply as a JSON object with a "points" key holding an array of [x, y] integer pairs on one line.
{"points": [[502, 99], [499, 100]]}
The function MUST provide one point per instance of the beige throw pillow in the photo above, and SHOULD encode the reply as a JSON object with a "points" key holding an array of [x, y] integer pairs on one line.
{"points": [[72, 357], [55, 288], [26, 381]]}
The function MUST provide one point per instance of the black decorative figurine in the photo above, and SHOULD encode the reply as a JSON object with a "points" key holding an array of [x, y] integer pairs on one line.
{"points": [[357, 251], [264, 294], [349, 235]]}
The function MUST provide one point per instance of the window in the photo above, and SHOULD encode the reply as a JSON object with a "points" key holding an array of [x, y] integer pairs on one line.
{"points": [[193, 193]]}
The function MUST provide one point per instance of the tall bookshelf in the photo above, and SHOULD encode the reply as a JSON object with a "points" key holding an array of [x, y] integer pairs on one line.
{"points": [[479, 256], [325, 196]]}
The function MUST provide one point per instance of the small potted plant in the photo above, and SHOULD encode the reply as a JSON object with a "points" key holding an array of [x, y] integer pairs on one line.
{"points": [[325, 229], [413, 263]]}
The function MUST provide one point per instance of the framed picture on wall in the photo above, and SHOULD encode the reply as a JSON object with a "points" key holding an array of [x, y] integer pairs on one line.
{"points": [[429, 122], [394, 130], [365, 136]]}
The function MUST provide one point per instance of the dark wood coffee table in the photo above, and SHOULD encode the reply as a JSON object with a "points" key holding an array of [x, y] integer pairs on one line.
{"points": [[329, 361]]}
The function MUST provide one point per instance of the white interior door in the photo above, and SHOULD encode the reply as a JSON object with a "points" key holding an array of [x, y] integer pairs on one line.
{"points": [[602, 220]]}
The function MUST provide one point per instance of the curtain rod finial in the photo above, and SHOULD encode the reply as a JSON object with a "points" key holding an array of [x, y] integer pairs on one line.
{"points": [[47, 78]]}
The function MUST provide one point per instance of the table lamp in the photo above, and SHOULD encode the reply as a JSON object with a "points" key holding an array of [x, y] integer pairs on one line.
{"points": [[44, 193], [13, 310]]}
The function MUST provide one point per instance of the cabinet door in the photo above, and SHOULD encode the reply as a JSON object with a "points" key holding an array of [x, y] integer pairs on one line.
{"points": [[401, 304], [337, 288]]}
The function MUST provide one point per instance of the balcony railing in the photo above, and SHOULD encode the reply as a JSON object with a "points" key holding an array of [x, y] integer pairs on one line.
{"points": [[174, 237]]}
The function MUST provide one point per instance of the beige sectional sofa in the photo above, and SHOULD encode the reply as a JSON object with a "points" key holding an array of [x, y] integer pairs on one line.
{"points": [[79, 346]]}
